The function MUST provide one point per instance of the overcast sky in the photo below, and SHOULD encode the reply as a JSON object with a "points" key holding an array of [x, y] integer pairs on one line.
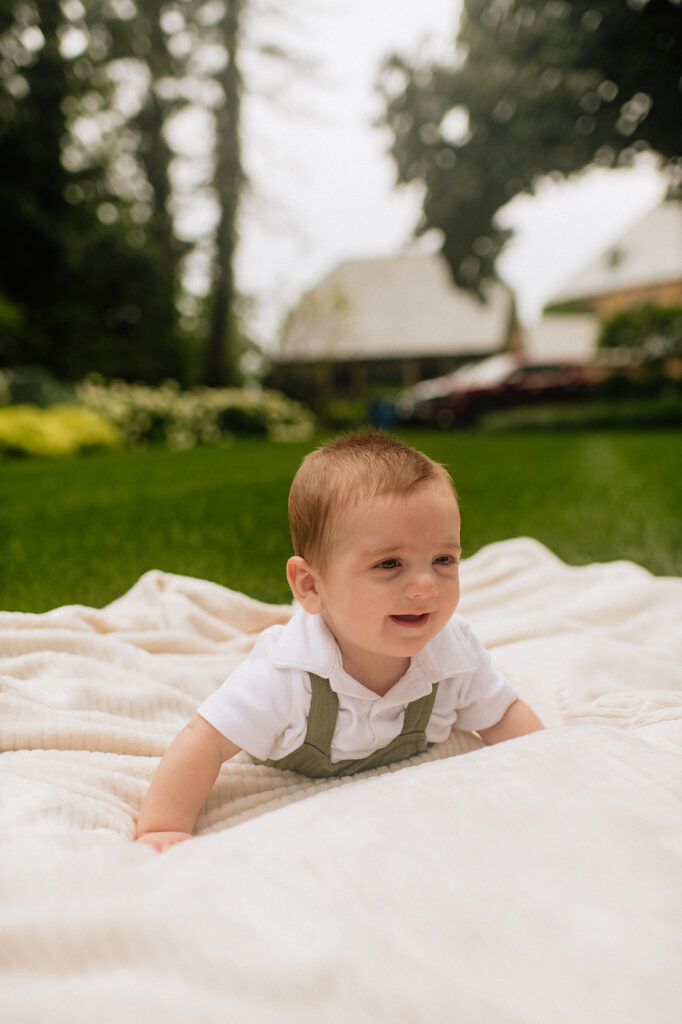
{"points": [[323, 185]]}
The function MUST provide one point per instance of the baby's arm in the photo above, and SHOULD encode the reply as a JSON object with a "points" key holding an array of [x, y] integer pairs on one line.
{"points": [[181, 784], [517, 720]]}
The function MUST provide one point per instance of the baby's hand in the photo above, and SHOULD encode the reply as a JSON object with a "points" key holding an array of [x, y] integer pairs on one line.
{"points": [[161, 841]]}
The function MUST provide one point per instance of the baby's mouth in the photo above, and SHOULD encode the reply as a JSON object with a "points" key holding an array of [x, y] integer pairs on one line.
{"points": [[410, 620]]}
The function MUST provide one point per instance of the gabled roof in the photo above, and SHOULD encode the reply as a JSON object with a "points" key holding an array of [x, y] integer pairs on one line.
{"points": [[648, 254], [393, 308]]}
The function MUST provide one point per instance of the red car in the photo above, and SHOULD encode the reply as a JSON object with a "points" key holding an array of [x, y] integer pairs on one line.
{"points": [[460, 398]]}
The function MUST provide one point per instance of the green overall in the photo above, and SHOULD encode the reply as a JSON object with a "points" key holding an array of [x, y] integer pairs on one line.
{"points": [[313, 756]]}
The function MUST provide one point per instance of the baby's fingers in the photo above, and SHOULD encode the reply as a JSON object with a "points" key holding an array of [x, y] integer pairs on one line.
{"points": [[161, 841]]}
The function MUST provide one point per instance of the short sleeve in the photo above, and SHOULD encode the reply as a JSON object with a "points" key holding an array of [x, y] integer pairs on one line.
{"points": [[254, 707], [487, 693]]}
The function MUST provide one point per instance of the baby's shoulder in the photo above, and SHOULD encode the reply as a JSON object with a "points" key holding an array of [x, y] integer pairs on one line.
{"points": [[262, 668]]}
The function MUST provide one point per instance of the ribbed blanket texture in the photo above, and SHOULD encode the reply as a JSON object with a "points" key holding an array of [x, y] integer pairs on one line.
{"points": [[535, 882]]}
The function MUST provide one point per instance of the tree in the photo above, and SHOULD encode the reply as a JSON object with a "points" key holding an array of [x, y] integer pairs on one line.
{"points": [[90, 169], [32, 203], [89, 262], [89, 93], [229, 180], [534, 88], [248, 33]]}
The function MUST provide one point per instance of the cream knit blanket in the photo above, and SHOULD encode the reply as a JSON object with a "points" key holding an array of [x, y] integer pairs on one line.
{"points": [[536, 881]]}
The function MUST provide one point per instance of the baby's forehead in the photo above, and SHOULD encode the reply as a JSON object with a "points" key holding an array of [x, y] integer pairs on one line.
{"points": [[372, 507], [368, 498]]}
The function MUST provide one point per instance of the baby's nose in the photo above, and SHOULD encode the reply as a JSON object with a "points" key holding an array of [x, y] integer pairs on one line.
{"points": [[421, 584]]}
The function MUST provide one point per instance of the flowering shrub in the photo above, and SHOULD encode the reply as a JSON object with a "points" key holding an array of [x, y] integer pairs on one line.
{"points": [[61, 430], [182, 419]]}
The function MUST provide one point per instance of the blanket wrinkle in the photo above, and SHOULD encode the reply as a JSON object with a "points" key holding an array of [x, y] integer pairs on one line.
{"points": [[160, 597], [533, 881]]}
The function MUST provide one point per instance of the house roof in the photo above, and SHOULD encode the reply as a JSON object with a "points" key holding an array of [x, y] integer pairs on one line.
{"points": [[394, 308], [649, 253]]}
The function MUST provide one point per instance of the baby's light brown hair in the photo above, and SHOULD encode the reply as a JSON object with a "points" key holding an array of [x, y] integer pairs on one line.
{"points": [[357, 466]]}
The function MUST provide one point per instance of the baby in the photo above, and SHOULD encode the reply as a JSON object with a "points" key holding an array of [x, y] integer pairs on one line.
{"points": [[374, 665]]}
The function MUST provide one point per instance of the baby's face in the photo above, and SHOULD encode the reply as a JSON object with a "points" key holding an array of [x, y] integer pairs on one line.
{"points": [[391, 581]]}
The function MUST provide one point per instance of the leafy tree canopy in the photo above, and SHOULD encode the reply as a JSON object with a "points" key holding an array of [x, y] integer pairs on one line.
{"points": [[534, 88]]}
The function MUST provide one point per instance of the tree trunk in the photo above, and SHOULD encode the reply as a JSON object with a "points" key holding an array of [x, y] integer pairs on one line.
{"points": [[221, 366]]}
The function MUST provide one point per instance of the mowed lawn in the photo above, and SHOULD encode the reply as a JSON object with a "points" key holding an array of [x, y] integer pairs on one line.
{"points": [[82, 530]]}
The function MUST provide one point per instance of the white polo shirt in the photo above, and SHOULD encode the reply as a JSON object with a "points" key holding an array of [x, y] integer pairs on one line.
{"points": [[263, 705]]}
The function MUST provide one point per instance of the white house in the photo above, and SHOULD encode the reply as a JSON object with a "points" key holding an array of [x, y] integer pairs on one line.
{"points": [[395, 320], [558, 338], [645, 264]]}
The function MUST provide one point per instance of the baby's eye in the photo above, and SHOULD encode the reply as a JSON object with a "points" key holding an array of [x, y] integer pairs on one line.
{"points": [[446, 560], [388, 563]]}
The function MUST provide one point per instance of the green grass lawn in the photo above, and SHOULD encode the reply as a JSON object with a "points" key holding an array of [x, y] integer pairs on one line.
{"points": [[82, 530]]}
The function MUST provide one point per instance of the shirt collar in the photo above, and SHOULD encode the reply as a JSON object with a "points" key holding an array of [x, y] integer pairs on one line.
{"points": [[307, 643]]}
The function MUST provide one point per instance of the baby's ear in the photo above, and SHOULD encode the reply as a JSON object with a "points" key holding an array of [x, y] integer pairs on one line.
{"points": [[303, 582]]}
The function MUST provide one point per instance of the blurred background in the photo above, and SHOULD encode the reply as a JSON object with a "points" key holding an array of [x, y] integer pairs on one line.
{"points": [[243, 217]]}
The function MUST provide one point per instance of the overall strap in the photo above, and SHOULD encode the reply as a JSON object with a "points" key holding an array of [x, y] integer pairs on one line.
{"points": [[312, 758], [418, 713], [409, 741], [324, 709]]}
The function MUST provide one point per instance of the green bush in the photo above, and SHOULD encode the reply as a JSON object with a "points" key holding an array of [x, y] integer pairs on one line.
{"points": [[62, 430], [182, 419], [234, 420], [653, 330]]}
